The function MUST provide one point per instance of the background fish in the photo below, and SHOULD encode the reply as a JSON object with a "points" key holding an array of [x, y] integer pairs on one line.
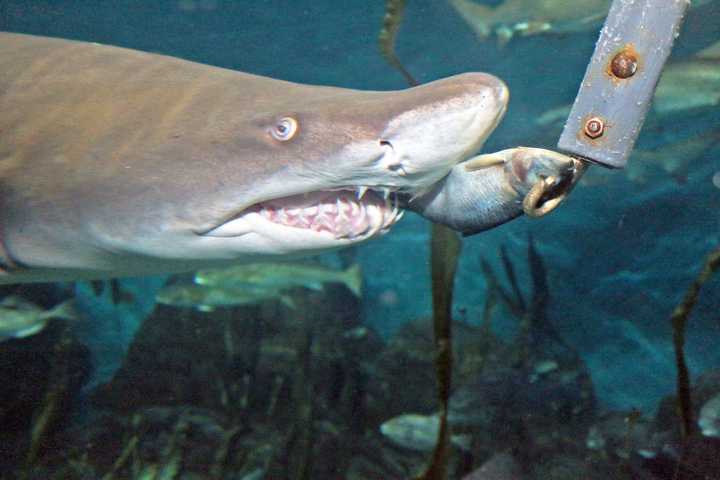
{"points": [[418, 432], [206, 298], [281, 276], [531, 17], [20, 318]]}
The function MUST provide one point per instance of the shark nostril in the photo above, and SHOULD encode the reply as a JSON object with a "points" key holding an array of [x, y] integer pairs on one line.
{"points": [[391, 159]]}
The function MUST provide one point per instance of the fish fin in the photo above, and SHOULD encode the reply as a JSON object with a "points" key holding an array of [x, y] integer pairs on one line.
{"points": [[287, 301], [478, 17], [29, 331], [484, 161], [353, 279], [205, 308], [67, 310], [463, 441]]}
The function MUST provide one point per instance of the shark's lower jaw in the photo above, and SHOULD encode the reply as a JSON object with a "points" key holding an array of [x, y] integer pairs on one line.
{"points": [[345, 215]]}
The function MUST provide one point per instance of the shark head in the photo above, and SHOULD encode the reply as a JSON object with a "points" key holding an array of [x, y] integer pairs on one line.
{"points": [[327, 167]]}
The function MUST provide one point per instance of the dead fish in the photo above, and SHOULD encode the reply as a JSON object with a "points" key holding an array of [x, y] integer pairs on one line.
{"points": [[207, 298], [281, 276], [20, 318], [488, 190], [531, 17], [419, 432]]}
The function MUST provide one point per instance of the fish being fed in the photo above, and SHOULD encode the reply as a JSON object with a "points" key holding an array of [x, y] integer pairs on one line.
{"points": [[118, 162], [20, 318], [281, 276], [418, 432], [205, 298], [488, 190]]}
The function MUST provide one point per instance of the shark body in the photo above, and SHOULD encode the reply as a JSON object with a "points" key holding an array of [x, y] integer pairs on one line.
{"points": [[117, 162]]}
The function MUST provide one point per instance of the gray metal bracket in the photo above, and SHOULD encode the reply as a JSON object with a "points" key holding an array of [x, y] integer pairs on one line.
{"points": [[620, 80]]}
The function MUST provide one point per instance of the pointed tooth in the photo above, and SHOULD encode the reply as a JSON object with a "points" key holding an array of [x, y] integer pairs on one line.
{"points": [[385, 193], [360, 192]]}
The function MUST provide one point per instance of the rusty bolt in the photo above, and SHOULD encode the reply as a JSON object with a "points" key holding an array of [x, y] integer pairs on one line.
{"points": [[624, 64], [594, 127]]}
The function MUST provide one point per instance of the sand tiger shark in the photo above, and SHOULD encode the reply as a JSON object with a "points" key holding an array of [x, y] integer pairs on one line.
{"points": [[115, 162], [120, 162]]}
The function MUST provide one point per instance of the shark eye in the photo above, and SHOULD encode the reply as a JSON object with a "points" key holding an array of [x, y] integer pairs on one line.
{"points": [[284, 129]]}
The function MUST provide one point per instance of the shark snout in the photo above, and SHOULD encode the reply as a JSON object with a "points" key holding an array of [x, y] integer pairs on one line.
{"points": [[446, 122]]}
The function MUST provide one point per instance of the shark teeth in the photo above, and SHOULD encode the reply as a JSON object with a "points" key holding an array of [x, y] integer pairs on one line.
{"points": [[361, 192], [345, 214]]}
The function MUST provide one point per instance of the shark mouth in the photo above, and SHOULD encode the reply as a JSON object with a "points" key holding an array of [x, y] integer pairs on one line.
{"points": [[346, 214]]}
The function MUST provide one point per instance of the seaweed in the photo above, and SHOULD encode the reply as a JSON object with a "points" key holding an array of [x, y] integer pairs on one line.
{"points": [[444, 253], [55, 400], [392, 19], [536, 330], [679, 320], [301, 439]]}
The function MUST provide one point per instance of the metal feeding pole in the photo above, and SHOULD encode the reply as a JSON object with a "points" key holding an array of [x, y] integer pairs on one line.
{"points": [[620, 80]]}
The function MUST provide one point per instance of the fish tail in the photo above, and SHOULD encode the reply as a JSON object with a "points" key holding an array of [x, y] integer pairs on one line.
{"points": [[67, 310], [353, 279], [479, 17]]}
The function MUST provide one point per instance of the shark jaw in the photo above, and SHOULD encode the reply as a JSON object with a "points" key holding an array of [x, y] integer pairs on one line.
{"points": [[319, 220]]}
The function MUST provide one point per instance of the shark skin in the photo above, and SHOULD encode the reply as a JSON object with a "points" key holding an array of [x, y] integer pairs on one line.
{"points": [[115, 162]]}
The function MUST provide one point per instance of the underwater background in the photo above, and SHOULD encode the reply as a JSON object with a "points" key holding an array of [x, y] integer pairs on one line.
{"points": [[617, 258]]}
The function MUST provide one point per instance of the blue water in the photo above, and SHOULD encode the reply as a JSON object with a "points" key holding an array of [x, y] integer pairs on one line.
{"points": [[619, 255]]}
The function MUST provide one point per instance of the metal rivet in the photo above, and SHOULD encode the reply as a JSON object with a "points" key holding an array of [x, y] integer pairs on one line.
{"points": [[624, 65], [594, 127]]}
